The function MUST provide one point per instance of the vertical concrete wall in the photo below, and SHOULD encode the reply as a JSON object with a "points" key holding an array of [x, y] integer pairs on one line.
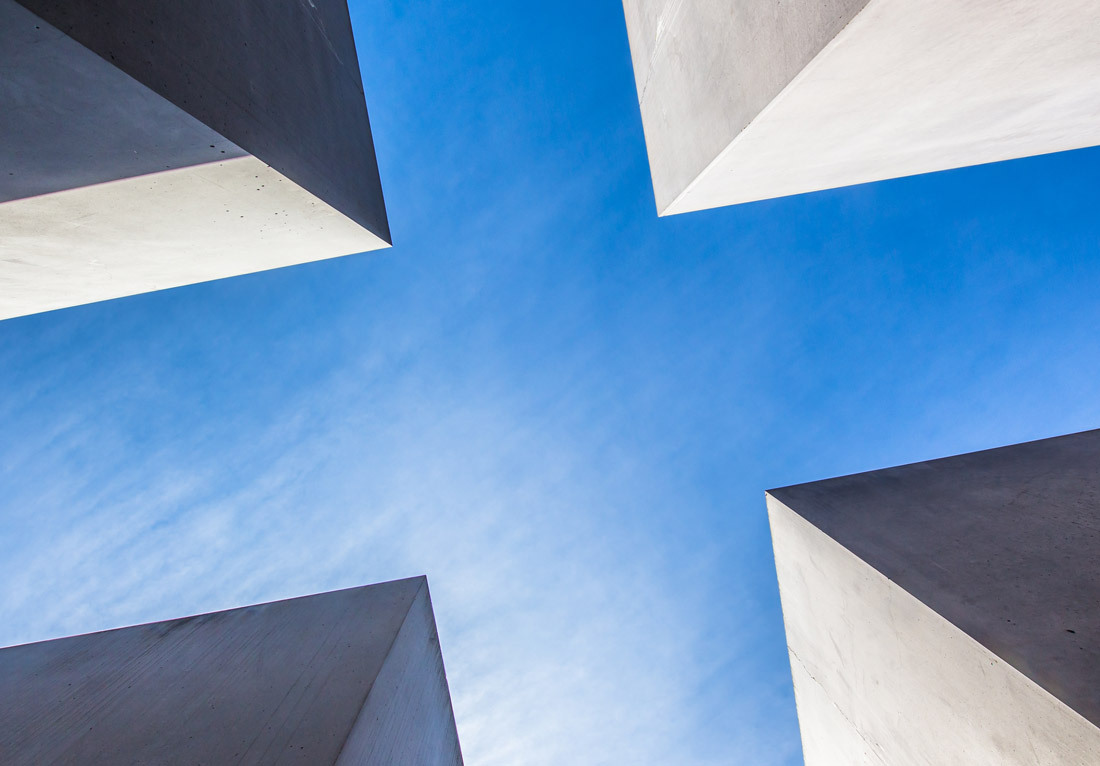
{"points": [[948, 611], [279, 78], [407, 719], [705, 68], [150, 145], [73, 119], [882, 680], [746, 101], [1002, 543], [279, 683]]}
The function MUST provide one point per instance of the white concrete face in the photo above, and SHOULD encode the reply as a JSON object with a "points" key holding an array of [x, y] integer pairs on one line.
{"points": [[903, 89], [109, 187], [705, 68], [882, 680], [163, 230]]}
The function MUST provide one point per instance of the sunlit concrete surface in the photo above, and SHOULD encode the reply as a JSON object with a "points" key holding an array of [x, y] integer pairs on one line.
{"points": [[348, 677], [744, 101], [153, 144], [947, 612]]}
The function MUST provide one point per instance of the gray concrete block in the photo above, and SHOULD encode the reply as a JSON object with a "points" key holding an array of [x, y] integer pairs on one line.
{"points": [[348, 677], [948, 611], [152, 144], [745, 100]]}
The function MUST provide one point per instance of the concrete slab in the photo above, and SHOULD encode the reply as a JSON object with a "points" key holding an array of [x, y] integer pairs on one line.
{"points": [[130, 129], [948, 611], [348, 677], [746, 101]]}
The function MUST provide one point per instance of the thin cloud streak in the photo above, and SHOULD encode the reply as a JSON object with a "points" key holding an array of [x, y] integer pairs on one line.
{"points": [[549, 605], [560, 408]]}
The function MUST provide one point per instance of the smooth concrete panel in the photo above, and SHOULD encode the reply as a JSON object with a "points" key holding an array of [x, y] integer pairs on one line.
{"points": [[120, 170], [1002, 543], [705, 68], [68, 118], [407, 719], [163, 230], [899, 89], [278, 683], [883, 680], [278, 78]]}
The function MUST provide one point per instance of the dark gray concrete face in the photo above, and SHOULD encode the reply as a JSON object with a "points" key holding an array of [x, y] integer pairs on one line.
{"points": [[68, 118], [1002, 543], [340, 677], [278, 78], [150, 145]]}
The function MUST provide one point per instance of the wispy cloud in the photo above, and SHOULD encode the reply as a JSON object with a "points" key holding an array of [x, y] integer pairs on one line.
{"points": [[560, 409], [555, 610]]}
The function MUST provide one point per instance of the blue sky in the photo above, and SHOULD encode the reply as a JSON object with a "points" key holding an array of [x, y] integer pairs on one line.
{"points": [[562, 409]]}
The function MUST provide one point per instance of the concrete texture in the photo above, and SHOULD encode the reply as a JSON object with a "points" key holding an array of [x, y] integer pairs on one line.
{"points": [[225, 218], [71, 119], [957, 596], [348, 677], [704, 69], [94, 95], [745, 101]]}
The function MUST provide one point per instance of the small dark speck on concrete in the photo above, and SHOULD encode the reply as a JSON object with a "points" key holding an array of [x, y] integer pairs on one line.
{"points": [[1068, 630]]}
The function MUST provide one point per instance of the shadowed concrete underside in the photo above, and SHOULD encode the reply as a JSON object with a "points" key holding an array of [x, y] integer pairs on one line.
{"points": [[348, 677], [948, 611], [152, 145]]}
